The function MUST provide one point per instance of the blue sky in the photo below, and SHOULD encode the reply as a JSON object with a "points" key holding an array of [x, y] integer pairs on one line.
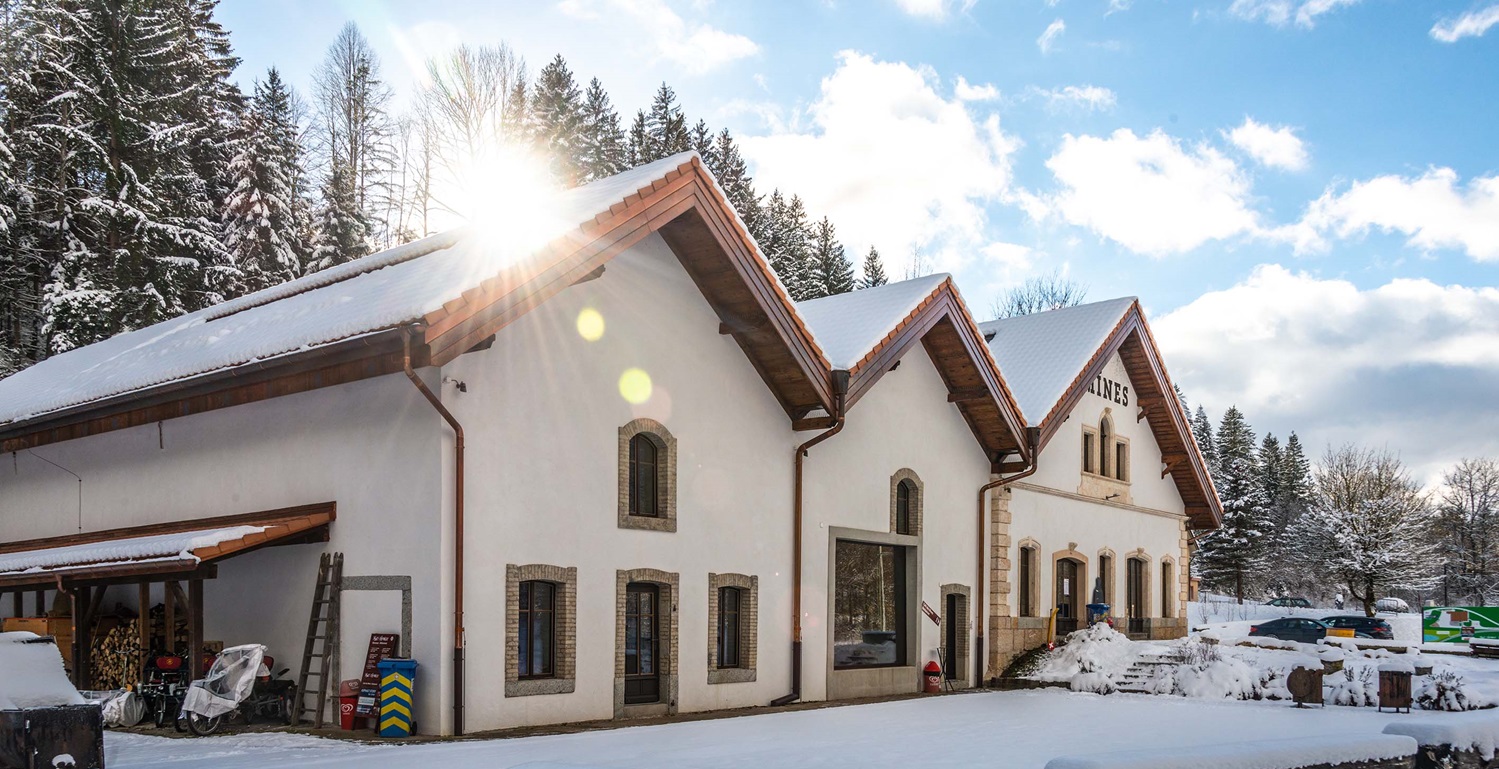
{"points": [[1304, 193]]}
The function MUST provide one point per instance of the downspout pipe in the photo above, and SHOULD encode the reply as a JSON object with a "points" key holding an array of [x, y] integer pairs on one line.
{"points": [[840, 394], [1033, 441], [406, 334]]}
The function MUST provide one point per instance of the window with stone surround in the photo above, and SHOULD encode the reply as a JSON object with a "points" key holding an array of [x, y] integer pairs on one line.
{"points": [[906, 492], [647, 476], [1026, 583], [541, 629], [733, 619]]}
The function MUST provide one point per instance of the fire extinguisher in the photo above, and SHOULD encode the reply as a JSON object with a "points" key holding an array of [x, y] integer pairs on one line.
{"points": [[932, 676]]}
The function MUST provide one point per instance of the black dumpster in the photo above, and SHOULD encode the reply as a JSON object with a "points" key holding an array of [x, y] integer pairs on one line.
{"points": [[63, 737]]}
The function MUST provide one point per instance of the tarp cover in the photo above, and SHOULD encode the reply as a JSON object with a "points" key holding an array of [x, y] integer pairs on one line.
{"points": [[227, 684]]}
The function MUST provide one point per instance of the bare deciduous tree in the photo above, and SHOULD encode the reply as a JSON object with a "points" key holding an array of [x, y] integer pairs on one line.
{"points": [[464, 111], [354, 126], [1047, 292]]}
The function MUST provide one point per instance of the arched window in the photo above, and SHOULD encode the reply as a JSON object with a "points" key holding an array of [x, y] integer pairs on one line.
{"points": [[645, 499], [1105, 445], [905, 501]]}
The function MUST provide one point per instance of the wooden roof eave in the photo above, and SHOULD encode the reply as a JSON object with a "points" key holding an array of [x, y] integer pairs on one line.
{"points": [[684, 191], [944, 304], [1196, 488]]}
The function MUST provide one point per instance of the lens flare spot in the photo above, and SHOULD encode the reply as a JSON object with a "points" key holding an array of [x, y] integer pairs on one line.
{"points": [[635, 386], [590, 324]]}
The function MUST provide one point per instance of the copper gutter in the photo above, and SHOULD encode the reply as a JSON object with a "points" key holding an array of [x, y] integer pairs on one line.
{"points": [[1033, 440], [840, 391], [457, 525]]}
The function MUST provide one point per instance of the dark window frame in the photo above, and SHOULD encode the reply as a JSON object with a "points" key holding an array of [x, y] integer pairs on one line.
{"points": [[531, 617], [730, 627], [1025, 578], [905, 503], [647, 502]]}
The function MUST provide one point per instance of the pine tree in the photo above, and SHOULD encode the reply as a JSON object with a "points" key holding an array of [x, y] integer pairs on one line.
{"points": [[1202, 431], [1295, 473], [638, 148], [665, 127], [263, 229], [557, 114], [703, 143], [874, 270], [602, 145], [1270, 460], [787, 244], [1233, 554], [342, 232], [831, 271], [519, 126], [729, 168]]}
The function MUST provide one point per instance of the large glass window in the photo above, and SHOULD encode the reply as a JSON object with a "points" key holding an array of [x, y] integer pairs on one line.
{"points": [[537, 629], [729, 629], [869, 605]]}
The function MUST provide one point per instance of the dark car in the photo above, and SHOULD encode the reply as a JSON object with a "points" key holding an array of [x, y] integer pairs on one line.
{"points": [[1291, 629], [1290, 602], [1372, 627]]}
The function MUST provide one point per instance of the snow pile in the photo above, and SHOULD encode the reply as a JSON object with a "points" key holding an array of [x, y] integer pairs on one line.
{"points": [[31, 674], [1264, 754], [1099, 649], [1097, 683], [161, 546], [1463, 731]]}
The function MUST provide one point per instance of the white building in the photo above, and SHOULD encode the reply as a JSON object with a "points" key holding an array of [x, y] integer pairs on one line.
{"points": [[625, 524]]}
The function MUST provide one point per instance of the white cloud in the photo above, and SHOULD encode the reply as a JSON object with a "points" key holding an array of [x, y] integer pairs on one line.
{"points": [[892, 161], [1431, 210], [1048, 38], [1149, 193], [1282, 12], [936, 10], [1470, 24], [1274, 147], [967, 91], [1409, 364], [1088, 97], [694, 47]]}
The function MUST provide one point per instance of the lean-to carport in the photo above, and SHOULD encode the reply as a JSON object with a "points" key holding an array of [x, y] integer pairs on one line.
{"points": [[85, 566]]}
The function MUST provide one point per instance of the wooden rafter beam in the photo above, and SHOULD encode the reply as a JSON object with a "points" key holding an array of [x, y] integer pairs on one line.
{"points": [[963, 396], [813, 423]]}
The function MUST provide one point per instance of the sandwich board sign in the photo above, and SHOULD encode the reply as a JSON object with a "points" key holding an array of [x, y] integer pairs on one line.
{"points": [[382, 645], [1457, 624]]}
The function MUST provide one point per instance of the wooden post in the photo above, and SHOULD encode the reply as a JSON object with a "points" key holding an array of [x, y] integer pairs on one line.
{"points": [[143, 625], [15, 604], [195, 627], [41, 603], [169, 600], [81, 645]]}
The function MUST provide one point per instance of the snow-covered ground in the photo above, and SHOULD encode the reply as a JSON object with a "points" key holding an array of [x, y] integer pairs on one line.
{"points": [[1011, 729]]}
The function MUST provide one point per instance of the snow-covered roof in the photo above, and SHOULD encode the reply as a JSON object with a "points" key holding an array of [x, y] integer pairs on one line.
{"points": [[161, 547], [368, 295], [847, 326], [1041, 355]]}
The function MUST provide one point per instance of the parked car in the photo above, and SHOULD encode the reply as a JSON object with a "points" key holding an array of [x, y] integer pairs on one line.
{"points": [[1392, 605], [1368, 627], [1291, 629], [1289, 602]]}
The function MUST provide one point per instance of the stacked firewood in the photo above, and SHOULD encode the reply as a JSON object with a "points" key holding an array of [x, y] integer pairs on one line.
{"points": [[116, 657]]}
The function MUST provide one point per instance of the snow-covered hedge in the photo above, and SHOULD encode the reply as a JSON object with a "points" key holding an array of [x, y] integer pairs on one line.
{"points": [[1463, 731]]}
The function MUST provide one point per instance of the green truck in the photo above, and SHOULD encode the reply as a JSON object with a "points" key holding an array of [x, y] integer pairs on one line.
{"points": [[1456, 624]]}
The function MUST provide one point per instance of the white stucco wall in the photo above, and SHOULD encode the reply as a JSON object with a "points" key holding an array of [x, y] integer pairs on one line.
{"points": [[904, 421], [542, 415], [373, 447], [1149, 522]]}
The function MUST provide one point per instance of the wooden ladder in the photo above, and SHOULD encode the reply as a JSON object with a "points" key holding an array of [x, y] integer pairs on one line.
{"points": [[322, 626]]}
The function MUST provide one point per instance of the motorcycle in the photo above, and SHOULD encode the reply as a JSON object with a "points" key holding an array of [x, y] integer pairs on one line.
{"points": [[163, 688], [239, 684]]}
